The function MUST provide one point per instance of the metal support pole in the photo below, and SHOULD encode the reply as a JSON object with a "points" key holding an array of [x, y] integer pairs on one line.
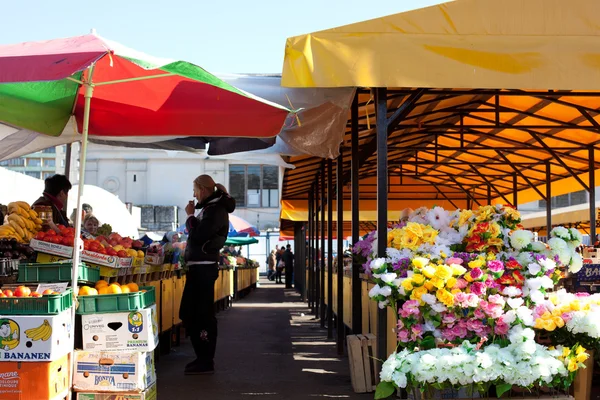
{"points": [[592, 185], [68, 169], [341, 329], [382, 194], [548, 201], [329, 249], [489, 194], [323, 315], [309, 253], [316, 254], [356, 284], [515, 191]]}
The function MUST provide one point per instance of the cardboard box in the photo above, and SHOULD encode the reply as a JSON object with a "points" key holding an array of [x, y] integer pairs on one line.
{"points": [[51, 248], [33, 338], [35, 380], [105, 260], [149, 394], [113, 371], [154, 259], [135, 330]]}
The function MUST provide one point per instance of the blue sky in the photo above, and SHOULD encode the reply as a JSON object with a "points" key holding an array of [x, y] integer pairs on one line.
{"points": [[221, 36]]}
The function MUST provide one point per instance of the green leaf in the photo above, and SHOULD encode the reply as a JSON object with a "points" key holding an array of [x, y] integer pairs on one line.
{"points": [[384, 390], [501, 389], [428, 343]]}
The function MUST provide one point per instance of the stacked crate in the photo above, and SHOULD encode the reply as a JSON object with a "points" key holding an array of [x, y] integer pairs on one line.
{"points": [[119, 333]]}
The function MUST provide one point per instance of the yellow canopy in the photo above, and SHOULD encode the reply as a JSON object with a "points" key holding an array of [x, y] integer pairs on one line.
{"points": [[526, 44]]}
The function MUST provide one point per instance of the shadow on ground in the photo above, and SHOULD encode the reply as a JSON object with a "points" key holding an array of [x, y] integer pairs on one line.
{"points": [[269, 347]]}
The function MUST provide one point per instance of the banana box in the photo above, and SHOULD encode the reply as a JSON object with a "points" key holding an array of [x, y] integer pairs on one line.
{"points": [[33, 338], [35, 380], [133, 330], [113, 371], [148, 394]]}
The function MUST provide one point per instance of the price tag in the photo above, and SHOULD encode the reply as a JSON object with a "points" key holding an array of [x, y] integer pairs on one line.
{"points": [[55, 287]]}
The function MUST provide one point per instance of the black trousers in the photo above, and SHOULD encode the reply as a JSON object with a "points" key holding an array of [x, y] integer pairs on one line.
{"points": [[289, 274], [197, 310], [278, 274]]}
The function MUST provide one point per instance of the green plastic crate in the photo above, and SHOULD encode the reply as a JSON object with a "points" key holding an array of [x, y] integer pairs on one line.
{"points": [[56, 272], [49, 304], [111, 303]]}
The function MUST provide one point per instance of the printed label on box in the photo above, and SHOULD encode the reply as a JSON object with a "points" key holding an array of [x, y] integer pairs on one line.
{"points": [[35, 338], [51, 248]]}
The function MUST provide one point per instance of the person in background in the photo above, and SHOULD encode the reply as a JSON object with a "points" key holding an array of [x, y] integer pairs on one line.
{"points": [[2, 212], [280, 265], [288, 259], [170, 237], [90, 225], [56, 192], [271, 264], [207, 235]]}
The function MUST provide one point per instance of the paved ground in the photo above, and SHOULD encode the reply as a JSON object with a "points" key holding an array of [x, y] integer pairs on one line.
{"points": [[269, 347]]}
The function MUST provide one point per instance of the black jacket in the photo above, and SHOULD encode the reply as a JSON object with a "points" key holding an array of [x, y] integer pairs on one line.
{"points": [[288, 259], [208, 232]]}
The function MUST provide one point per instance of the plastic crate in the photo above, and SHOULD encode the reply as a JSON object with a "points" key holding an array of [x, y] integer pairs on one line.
{"points": [[56, 272], [49, 304], [111, 303]]}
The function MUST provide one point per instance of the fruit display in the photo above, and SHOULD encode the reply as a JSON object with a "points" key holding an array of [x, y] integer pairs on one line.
{"points": [[22, 223], [103, 287], [66, 237], [12, 249], [24, 291], [104, 230], [113, 245]]}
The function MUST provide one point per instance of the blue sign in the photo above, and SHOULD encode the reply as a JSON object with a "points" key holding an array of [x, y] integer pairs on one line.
{"points": [[589, 272]]}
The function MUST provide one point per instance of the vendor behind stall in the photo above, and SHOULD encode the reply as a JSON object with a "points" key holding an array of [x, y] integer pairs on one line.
{"points": [[56, 192]]}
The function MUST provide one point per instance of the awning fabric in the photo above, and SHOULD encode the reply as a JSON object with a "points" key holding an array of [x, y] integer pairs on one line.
{"points": [[541, 44]]}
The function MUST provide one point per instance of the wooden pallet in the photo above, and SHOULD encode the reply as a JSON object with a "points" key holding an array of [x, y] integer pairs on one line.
{"points": [[363, 367]]}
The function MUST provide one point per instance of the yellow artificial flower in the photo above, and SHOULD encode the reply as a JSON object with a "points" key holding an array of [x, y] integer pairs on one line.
{"points": [[437, 282], [575, 305], [477, 263], [428, 285], [484, 213], [418, 279], [420, 262], [415, 228], [539, 323], [429, 234], [458, 270], [494, 229], [455, 291], [418, 292], [464, 217], [410, 241], [490, 257], [443, 272], [558, 321], [512, 213], [580, 358], [549, 325], [468, 277], [451, 282], [445, 297], [428, 271], [566, 352], [580, 350], [572, 365], [407, 284], [495, 242]]}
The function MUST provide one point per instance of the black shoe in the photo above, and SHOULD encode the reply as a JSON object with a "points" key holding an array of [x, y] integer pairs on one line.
{"points": [[192, 364], [199, 368]]}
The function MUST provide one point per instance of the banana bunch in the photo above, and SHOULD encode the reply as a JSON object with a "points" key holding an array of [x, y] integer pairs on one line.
{"points": [[22, 222], [42, 332]]}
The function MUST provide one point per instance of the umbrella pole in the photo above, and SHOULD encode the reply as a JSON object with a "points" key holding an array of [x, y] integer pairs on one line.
{"points": [[89, 91]]}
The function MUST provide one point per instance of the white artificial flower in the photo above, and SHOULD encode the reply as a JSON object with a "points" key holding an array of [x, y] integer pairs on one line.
{"points": [[576, 236], [388, 277], [512, 291], [560, 232], [525, 315], [388, 368], [377, 290], [564, 256], [428, 299], [525, 258], [547, 263], [521, 239], [438, 307], [546, 282], [557, 244], [510, 316], [383, 304], [576, 263], [533, 283], [538, 247], [534, 268], [377, 263], [536, 296], [438, 218], [393, 254], [515, 303]]}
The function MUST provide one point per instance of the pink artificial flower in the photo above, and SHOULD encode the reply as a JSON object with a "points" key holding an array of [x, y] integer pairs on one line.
{"points": [[472, 300], [448, 318], [460, 297], [479, 313], [459, 331], [476, 325], [417, 331], [501, 328], [539, 310], [478, 288], [493, 310], [400, 324], [403, 335], [460, 284], [454, 260], [582, 294], [448, 334], [497, 299], [567, 316], [495, 266], [476, 273], [411, 307]]}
